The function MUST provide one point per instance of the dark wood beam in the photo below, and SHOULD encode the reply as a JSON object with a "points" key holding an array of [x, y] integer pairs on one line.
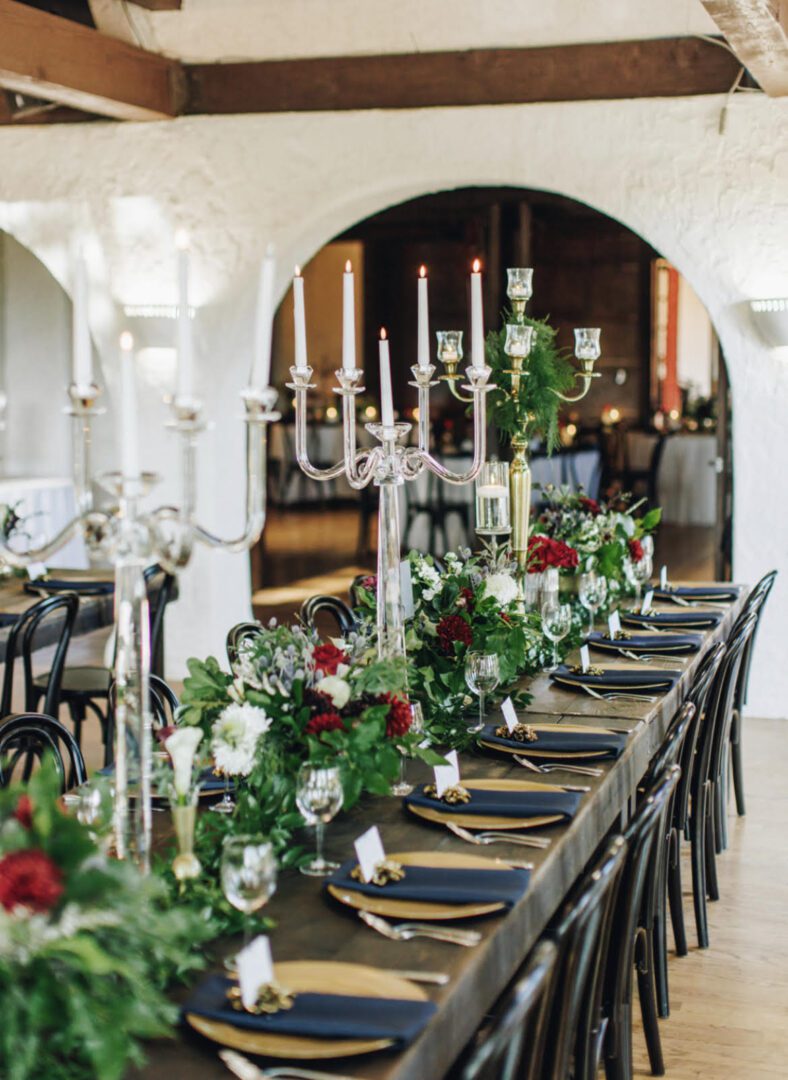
{"points": [[158, 5], [59, 60], [664, 67], [757, 31]]}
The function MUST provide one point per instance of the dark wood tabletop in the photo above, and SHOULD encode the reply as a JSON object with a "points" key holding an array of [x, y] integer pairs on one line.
{"points": [[310, 926], [94, 613]]}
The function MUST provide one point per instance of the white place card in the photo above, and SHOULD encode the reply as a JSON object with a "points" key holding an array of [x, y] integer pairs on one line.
{"points": [[369, 852], [509, 714], [648, 600], [447, 776], [614, 624], [406, 589], [663, 578], [255, 969], [36, 570], [585, 659]]}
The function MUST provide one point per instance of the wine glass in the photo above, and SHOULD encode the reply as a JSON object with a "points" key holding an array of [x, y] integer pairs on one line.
{"points": [[248, 875], [482, 674], [556, 624], [638, 571], [592, 593], [95, 807], [226, 804], [319, 797], [402, 786]]}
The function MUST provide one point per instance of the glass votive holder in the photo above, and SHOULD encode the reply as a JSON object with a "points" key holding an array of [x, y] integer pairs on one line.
{"points": [[449, 346], [587, 345], [492, 499], [519, 283], [532, 591], [519, 340], [550, 586]]}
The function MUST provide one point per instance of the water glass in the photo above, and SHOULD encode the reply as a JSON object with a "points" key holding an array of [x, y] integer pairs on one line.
{"points": [[248, 876], [482, 674], [551, 585], [94, 808], [532, 590], [402, 786], [637, 573], [319, 797], [492, 499], [592, 593], [556, 624]]}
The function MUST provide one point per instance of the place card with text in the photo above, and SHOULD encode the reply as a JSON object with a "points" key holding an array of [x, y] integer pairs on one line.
{"points": [[663, 578], [255, 969], [509, 714], [369, 852], [585, 659], [648, 600], [447, 776], [614, 624]]}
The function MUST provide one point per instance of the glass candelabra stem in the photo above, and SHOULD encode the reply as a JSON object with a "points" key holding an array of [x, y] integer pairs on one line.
{"points": [[390, 628]]}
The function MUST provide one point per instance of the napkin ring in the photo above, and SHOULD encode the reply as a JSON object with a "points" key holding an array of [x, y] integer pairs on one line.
{"points": [[519, 733], [577, 669], [271, 998], [622, 635], [453, 796], [386, 871]]}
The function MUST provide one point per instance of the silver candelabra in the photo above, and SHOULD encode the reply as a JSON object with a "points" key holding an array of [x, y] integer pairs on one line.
{"points": [[132, 540], [388, 466]]}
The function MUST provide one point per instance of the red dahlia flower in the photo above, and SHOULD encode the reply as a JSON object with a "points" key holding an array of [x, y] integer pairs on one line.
{"points": [[636, 550], [544, 552], [591, 505], [453, 628], [327, 721], [31, 880], [328, 658], [24, 812], [399, 718]]}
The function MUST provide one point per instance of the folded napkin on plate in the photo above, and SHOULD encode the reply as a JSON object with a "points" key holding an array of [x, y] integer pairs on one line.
{"points": [[619, 679], [689, 617], [441, 885], [698, 592], [504, 803], [647, 643], [77, 585], [318, 1016], [561, 742]]}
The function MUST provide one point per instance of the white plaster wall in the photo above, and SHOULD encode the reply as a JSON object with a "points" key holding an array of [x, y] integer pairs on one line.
{"points": [[717, 207]]}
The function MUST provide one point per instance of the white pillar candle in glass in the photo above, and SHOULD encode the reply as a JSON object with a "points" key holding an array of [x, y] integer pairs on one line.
{"points": [[477, 317], [299, 318], [386, 399], [424, 321], [348, 319], [264, 323], [185, 382], [129, 430], [82, 354]]}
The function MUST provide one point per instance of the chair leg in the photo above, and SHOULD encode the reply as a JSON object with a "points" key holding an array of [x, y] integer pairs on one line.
{"points": [[675, 898], [648, 1003], [659, 957], [712, 885], [737, 768], [698, 830]]}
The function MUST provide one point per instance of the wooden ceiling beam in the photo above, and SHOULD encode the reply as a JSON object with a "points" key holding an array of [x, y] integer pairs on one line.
{"points": [[158, 5], [757, 31], [59, 60], [663, 67]]}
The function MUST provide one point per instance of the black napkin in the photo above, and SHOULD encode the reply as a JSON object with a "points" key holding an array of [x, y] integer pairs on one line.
{"points": [[698, 592], [515, 804], [561, 742], [691, 618], [647, 643], [318, 1016], [619, 679], [8, 618], [441, 885]]}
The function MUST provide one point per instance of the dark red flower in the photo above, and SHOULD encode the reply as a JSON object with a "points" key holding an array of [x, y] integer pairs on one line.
{"points": [[31, 880], [591, 505], [453, 628], [465, 599], [544, 552], [370, 582], [24, 812], [636, 550], [327, 721], [399, 719], [506, 618], [328, 658]]}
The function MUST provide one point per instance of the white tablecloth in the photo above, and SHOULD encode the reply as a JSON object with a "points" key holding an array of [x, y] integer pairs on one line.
{"points": [[687, 476], [46, 505]]}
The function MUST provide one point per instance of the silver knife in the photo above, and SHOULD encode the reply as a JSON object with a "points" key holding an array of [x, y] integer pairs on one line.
{"points": [[244, 1069]]}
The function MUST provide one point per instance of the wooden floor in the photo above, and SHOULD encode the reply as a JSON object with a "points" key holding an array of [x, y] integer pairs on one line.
{"points": [[729, 1003]]}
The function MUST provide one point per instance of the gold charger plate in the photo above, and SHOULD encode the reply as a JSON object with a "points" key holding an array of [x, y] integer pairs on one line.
{"points": [[418, 909], [483, 821], [528, 750], [613, 687], [320, 977]]}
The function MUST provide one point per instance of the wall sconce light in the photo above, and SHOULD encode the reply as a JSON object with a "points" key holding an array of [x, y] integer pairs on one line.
{"points": [[770, 317]]}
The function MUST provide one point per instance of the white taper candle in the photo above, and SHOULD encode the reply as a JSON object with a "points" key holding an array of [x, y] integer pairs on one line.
{"points": [[81, 351], [264, 326], [386, 399], [477, 317], [129, 430], [348, 319], [185, 382], [423, 353], [299, 318]]}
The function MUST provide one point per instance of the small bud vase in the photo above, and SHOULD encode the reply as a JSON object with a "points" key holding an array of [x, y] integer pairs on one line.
{"points": [[185, 865]]}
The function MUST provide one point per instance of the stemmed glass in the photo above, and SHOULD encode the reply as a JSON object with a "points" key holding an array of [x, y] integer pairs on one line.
{"points": [[592, 593], [226, 804], [94, 806], [319, 797], [556, 624], [638, 571], [402, 786], [482, 674], [248, 874]]}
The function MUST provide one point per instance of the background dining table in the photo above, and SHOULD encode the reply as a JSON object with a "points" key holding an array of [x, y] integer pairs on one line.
{"points": [[94, 613]]}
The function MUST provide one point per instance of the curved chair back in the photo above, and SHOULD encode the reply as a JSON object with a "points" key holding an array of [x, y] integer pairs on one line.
{"points": [[756, 602], [671, 751], [238, 633], [513, 1049], [724, 689], [22, 642], [698, 696], [163, 703], [158, 599], [336, 608], [26, 738]]}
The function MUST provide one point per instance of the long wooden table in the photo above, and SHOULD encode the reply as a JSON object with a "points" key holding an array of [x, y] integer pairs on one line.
{"points": [[94, 613], [311, 927]]}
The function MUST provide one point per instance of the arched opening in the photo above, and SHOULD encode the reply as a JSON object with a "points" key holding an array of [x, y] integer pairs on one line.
{"points": [[660, 415]]}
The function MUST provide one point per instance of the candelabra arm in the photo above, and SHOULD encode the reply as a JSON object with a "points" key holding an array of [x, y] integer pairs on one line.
{"points": [[477, 378], [585, 387], [20, 559]]}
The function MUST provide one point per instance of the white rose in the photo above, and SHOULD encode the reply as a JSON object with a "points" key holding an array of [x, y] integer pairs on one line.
{"points": [[503, 587], [181, 747], [336, 688]]}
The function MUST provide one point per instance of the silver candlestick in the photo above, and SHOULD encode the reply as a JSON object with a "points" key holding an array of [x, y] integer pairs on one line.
{"points": [[388, 466]]}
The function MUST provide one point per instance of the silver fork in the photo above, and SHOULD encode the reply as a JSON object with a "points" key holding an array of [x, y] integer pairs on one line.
{"points": [[407, 930], [648, 658], [578, 770], [492, 836], [244, 1069], [615, 696]]}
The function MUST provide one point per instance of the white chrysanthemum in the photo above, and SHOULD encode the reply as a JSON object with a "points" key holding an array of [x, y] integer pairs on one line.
{"points": [[336, 688], [503, 587], [234, 738]]}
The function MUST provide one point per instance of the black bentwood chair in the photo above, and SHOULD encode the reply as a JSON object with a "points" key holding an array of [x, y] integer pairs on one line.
{"points": [[629, 936], [513, 1048], [163, 703], [333, 606], [756, 602], [27, 738], [242, 631], [22, 642]]}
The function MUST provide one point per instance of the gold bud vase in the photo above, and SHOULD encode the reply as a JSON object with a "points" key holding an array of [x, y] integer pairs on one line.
{"points": [[185, 865]]}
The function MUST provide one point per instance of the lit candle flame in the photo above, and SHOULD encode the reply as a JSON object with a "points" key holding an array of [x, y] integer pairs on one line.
{"points": [[348, 267], [422, 271], [383, 334], [126, 341], [476, 266], [182, 239], [297, 272]]}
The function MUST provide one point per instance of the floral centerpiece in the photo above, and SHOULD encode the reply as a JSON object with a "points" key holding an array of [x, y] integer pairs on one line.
{"points": [[87, 946]]}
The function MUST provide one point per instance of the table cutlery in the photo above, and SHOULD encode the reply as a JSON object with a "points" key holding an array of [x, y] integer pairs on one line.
{"points": [[578, 770], [244, 1069], [407, 930], [492, 836], [649, 658], [615, 696], [431, 978]]}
